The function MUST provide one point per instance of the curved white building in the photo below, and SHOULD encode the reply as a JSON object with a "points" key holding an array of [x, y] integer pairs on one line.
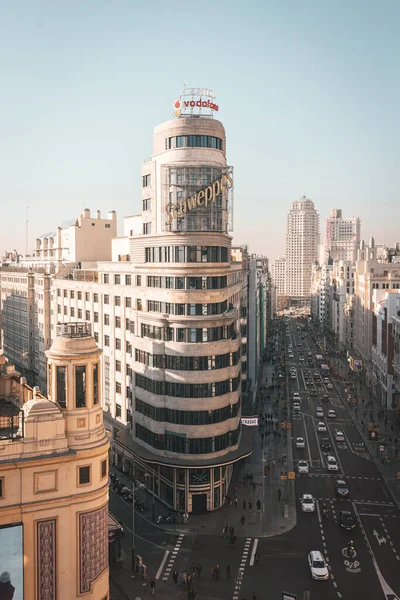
{"points": [[185, 334]]}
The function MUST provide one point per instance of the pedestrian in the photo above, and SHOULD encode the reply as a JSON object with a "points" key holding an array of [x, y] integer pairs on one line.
{"points": [[256, 558], [189, 581], [192, 594], [273, 462], [243, 520], [235, 501], [255, 597], [217, 572], [153, 586], [228, 572], [175, 576], [231, 530], [250, 506], [213, 571], [265, 470], [184, 577], [279, 494], [254, 486], [225, 528], [244, 505], [199, 570], [258, 504], [193, 569]]}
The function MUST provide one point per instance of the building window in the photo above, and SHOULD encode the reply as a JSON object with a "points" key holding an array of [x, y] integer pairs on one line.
{"points": [[118, 387], [95, 297], [138, 280], [117, 322], [72, 294], [117, 344], [128, 302], [106, 319], [106, 299], [146, 204], [106, 279], [146, 180], [1, 487], [96, 384], [138, 304], [103, 468], [65, 293], [106, 340], [79, 313], [128, 280], [87, 297], [80, 386], [118, 362], [65, 311], [84, 475], [96, 337], [146, 228], [107, 226], [88, 315], [58, 292], [117, 410], [117, 300], [117, 279], [61, 392], [79, 295], [72, 312]]}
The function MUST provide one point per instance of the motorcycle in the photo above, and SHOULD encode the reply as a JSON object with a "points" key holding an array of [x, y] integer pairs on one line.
{"points": [[165, 519], [139, 505], [350, 549], [113, 477]]}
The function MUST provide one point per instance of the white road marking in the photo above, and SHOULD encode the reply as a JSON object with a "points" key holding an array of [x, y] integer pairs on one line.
{"points": [[307, 442], [385, 492], [164, 560], [253, 552]]}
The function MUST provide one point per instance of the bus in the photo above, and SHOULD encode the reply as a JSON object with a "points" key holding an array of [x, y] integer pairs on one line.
{"points": [[319, 359], [324, 370]]}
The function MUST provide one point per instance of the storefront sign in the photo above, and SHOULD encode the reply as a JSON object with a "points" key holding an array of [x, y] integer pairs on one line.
{"points": [[204, 197], [250, 421]]}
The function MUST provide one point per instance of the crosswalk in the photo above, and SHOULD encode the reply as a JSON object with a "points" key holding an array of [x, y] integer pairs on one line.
{"points": [[173, 557]]}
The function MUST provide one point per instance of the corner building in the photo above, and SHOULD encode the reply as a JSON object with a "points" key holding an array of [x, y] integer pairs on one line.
{"points": [[184, 328]]}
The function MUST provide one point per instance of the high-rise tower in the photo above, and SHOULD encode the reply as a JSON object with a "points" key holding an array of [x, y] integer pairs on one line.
{"points": [[302, 240], [342, 236]]}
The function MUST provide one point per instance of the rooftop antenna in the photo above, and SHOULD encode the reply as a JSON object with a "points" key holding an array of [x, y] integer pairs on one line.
{"points": [[26, 232]]}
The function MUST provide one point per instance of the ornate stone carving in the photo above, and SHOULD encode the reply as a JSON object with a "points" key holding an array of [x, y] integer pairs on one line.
{"points": [[46, 560], [93, 546]]}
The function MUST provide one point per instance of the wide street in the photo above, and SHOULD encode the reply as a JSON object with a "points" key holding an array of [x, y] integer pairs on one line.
{"points": [[373, 573]]}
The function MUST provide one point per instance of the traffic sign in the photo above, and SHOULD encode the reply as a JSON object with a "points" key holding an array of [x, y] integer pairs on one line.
{"points": [[292, 475], [381, 448], [283, 474], [288, 426]]}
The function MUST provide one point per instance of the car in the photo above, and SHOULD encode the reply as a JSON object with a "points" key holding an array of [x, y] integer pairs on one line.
{"points": [[300, 442], [329, 386], [296, 406], [339, 437], [321, 427], [332, 463], [307, 503], [326, 398], [302, 466], [301, 359], [341, 488], [326, 444], [296, 396], [293, 377], [331, 414], [327, 380], [291, 356], [313, 393], [317, 564], [319, 412], [346, 520]]}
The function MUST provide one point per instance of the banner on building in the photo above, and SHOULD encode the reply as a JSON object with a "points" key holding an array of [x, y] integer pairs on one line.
{"points": [[249, 421]]}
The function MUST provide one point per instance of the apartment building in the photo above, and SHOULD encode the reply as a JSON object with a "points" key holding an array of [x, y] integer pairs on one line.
{"points": [[341, 236], [384, 310], [302, 246]]}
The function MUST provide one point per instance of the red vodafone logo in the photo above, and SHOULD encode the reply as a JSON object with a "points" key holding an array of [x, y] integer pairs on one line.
{"points": [[177, 107]]}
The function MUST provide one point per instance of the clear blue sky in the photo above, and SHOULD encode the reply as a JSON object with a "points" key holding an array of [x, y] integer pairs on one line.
{"points": [[308, 91]]}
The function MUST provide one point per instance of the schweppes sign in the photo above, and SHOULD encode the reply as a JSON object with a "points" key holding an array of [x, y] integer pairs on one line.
{"points": [[204, 197]]}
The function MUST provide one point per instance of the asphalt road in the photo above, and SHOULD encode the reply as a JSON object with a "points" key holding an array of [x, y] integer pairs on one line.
{"points": [[372, 574]]}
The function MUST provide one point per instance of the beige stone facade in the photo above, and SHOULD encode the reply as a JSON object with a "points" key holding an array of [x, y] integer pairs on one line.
{"points": [[54, 474]]}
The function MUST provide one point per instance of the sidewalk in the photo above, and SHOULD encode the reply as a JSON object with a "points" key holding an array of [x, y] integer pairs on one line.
{"points": [[368, 410], [279, 516]]}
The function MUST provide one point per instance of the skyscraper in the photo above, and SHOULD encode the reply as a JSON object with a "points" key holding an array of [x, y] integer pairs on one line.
{"points": [[342, 236], [302, 239]]}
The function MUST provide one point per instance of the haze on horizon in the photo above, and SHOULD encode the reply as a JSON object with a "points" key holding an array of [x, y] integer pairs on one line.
{"points": [[308, 94]]}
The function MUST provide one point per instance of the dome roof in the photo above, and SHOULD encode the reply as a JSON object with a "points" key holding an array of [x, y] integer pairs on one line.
{"points": [[73, 346], [40, 406]]}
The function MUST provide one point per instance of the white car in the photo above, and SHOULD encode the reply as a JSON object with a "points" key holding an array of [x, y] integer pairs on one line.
{"points": [[332, 464], [319, 412], [293, 376], [339, 437], [317, 565], [321, 427], [296, 396], [296, 406], [307, 503], [331, 414], [326, 380], [302, 466], [300, 442], [329, 386]]}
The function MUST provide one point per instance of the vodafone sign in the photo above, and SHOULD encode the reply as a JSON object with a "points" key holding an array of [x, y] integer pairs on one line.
{"points": [[195, 101]]}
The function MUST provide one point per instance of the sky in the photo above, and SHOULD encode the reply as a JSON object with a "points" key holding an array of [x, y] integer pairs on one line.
{"points": [[308, 92]]}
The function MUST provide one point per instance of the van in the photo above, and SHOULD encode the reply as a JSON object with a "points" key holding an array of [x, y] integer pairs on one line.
{"points": [[339, 437]]}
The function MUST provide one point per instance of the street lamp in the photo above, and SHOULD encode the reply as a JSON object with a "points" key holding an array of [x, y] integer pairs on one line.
{"points": [[133, 517]]}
